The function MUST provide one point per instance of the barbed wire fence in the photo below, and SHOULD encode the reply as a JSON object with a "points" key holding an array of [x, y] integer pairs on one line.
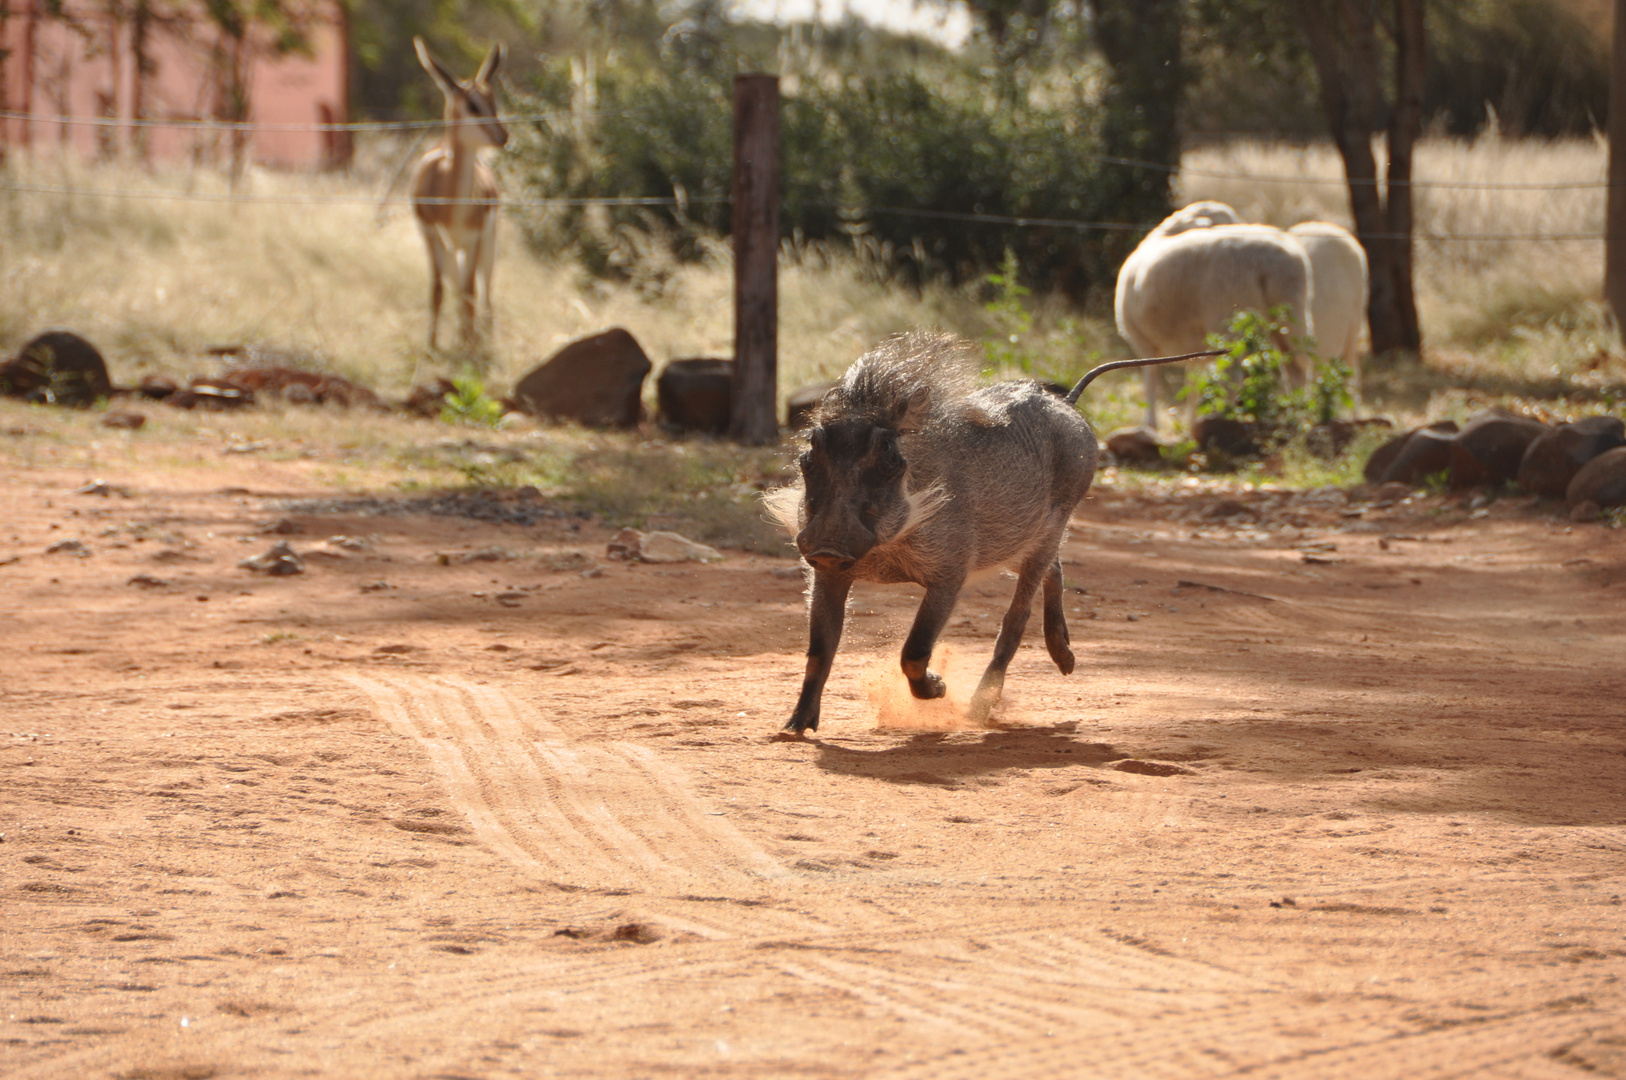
{"points": [[423, 129]]}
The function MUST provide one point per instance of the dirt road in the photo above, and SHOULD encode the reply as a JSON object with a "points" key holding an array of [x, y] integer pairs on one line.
{"points": [[1336, 792]]}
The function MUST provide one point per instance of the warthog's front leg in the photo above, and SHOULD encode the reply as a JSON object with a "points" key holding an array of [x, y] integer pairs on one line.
{"points": [[1010, 634], [1056, 638], [826, 611], [935, 608]]}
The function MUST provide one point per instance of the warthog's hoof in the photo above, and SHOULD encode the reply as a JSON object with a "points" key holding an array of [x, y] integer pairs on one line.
{"points": [[1063, 656], [931, 685], [797, 724], [982, 705]]}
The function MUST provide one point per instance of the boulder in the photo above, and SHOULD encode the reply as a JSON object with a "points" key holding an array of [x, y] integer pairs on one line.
{"points": [[696, 394], [658, 547], [157, 387], [121, 418], [1385, 455], [1333, 438], [427, 399], [58, 367], [1555, 456], [597, 381], [1601, 480], [1138, 445], [1490, 447], [1426, 452], [1233, 438], [302, 387], [802, 401]]}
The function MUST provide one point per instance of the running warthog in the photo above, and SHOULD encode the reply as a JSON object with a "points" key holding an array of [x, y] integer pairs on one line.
{"points": [[911, 475]]}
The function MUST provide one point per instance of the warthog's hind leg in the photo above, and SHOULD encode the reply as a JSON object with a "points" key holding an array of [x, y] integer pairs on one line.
{"points": [[1010, 635]]}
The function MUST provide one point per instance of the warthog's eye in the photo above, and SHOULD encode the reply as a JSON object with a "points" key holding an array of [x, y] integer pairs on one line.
{"points": [[868, 514]]}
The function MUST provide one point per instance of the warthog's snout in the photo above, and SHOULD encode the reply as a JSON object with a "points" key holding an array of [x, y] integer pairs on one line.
{"points": [[829, 559]]}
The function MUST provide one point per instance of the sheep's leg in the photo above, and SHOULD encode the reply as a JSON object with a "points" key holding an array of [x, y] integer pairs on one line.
{"points": [[992, 685], [827, 610], [935, 608], [1056, 638]]}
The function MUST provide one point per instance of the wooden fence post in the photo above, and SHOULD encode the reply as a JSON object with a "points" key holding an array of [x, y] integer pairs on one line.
{"points": [[755, 224], [1614, 244]]}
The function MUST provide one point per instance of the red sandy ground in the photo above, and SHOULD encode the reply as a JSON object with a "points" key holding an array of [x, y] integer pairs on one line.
{"points": [[374, 821]]}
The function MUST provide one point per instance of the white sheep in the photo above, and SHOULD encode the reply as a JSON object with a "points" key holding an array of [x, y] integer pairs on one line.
{"points": [[1196, 270], [1338, 308]]}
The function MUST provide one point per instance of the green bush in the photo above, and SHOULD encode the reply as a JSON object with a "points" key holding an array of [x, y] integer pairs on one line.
{"points": [[909, 168], [1249, 382]]}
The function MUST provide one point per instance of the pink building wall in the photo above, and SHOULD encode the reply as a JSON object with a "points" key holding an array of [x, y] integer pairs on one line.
{"points": [[86, 69]]}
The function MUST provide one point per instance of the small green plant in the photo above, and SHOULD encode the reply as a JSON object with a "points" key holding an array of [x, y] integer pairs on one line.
{"points": [[1249, 383], [468, 404], [1012, 319]]}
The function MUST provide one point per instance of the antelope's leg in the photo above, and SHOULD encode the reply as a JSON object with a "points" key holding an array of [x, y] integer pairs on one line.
{"points": [[935, 608], [826, 611], [1056, 638], [488, 260], [468, 268], [1034, 571], [1148, 377], [438, 272]]}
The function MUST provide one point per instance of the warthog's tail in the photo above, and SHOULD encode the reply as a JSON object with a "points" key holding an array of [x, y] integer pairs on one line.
{"points": [[1073, 394]]}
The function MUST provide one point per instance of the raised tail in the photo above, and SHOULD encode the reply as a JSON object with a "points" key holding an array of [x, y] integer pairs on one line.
{"points": [[1073, 394]]}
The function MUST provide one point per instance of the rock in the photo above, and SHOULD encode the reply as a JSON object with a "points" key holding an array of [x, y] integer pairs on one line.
{"points": [[659, 547], [597, 381], [802, 401], [1152, 768], [1390, 493], [1555, 456], [157, 387], [213, 394], [1233, 438], [670, 547], [1385, 455], [147, 581], [1585, 512], [279, 560], [59, 368], [1229, 508], [1333, 438], [302, 387], [696, 395], [1601, 480], [427, 399], [1426, 452], [68, 547], [1140, 444], [124, 420], [624, 545], [1490, 447]]}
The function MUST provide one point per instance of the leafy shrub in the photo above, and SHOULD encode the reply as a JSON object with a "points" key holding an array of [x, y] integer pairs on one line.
{"points": [[908, 168], [1249, 382], [468, 404]]}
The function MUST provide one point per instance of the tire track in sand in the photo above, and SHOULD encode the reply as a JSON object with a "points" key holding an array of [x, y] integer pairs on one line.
{"points": [[609, 817]]}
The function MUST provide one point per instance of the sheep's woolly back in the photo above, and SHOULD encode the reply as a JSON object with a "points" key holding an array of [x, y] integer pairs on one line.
{"points": [[886, 379]]}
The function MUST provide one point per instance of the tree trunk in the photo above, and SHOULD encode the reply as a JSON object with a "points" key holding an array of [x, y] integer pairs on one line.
{"points": [[1614, 275], [754, 223], [1344, 45]]}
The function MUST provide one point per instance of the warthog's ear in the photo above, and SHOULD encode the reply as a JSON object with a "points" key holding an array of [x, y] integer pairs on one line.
{"points": [[910, 416]]}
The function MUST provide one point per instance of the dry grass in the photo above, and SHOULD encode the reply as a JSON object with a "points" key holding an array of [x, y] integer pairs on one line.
{"points": [[156, 281]]}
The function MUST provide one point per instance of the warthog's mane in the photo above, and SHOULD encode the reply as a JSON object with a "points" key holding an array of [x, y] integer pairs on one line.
{"points": [[885, 380]]}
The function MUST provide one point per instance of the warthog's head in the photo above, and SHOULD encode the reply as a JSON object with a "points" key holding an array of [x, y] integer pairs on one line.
{"points": [[855, 486]]}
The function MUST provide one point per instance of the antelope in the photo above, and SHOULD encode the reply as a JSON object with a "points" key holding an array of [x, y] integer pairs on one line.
{"points": [[454, 193]]}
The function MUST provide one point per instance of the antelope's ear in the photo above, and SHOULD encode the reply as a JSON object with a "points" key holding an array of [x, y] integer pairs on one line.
{"points": [[910, 416], [489, 67], [437, 70]]}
